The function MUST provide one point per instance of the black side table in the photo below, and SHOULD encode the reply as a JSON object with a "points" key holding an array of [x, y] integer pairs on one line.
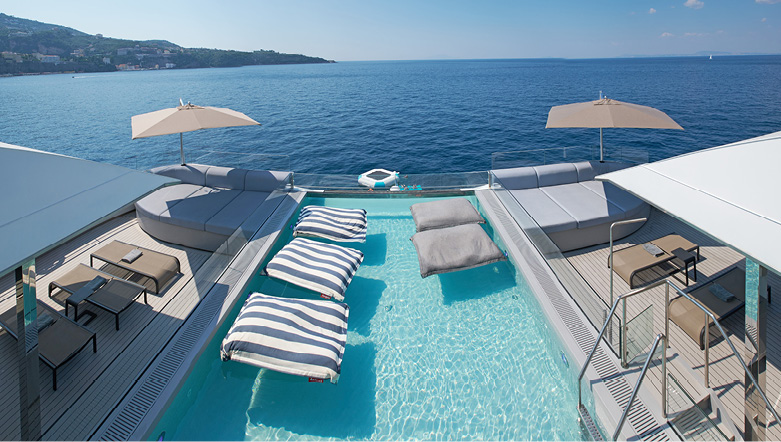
{"points": [[80, 295], [686, 258]]}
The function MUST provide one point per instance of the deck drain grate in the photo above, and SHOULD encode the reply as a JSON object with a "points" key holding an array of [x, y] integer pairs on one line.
{"points": [[639, 417], [136, 408]]}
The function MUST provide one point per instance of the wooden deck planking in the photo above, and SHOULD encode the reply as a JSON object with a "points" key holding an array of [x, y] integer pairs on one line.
{"points": [[726, 374], [107, 392], [91, 381]]}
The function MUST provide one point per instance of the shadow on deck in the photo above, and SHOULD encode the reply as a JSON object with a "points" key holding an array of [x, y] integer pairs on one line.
{"points": [[726, 374]]}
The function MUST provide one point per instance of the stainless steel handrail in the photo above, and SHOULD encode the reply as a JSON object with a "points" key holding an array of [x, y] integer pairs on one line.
{"points": [[610, 264], [601, 336], [669, 284], [594, 350], [647, 364], [731, 346]]}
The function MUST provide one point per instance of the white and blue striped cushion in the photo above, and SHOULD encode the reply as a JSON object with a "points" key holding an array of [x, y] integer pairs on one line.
{"points": [[347, 225], [295, 336], [324, 268]]}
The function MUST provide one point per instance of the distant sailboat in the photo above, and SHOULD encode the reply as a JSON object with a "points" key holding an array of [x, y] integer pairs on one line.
{"points": [[711, 57]]}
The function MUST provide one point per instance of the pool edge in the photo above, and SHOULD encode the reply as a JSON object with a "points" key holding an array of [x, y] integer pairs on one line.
{"points": [[552, 298]]}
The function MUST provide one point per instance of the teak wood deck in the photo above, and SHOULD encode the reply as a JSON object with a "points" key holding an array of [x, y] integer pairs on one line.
{"points": [[726, 374], [92, 384]]}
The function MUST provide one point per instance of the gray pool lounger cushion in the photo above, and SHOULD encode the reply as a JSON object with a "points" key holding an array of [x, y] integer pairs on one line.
{"points": [[324, 268], [343, 225], [444, 213], [294, 336], [455, 248]]}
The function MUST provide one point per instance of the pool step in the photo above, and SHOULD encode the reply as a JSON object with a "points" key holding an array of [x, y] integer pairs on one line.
{"points": [[700, 422], [588, 423], [695, 412]]}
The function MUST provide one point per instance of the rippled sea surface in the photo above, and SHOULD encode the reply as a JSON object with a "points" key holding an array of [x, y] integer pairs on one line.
{"points": [[415, 117], [459, 356]]}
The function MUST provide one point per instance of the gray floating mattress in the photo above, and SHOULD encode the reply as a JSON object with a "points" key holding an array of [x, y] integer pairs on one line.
{"points": [[455, 248], [295, 336], [444, 213]]}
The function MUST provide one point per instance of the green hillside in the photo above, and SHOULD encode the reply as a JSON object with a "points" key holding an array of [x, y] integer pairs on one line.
{"points": [[29, 46]]}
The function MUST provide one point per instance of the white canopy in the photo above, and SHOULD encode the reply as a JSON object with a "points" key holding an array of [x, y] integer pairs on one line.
{"points": [[47, 198], [730, 192]]}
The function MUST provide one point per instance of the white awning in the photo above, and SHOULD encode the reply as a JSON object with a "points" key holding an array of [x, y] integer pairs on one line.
{"points": [[47, 198], [730, 192]]}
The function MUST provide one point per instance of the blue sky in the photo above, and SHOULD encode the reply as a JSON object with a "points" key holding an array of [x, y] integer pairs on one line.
{"points": [[434, 29]]}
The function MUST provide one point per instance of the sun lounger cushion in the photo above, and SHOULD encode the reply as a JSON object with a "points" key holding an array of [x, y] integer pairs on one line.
{"points": [[132, 256], [294, 336], [692, 320], [721, 293], [59, 338], [444, 213], [631, 262], [160, 267], [348, 225], [324, 268], [454, 248], [653, 249]]}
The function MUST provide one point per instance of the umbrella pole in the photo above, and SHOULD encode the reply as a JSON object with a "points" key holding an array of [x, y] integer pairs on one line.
{"points": [[601, 152], [181, 146]]}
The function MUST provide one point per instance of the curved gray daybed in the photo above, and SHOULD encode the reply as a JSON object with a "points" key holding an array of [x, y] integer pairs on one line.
{"points": [[572, 208], [209, 205]]}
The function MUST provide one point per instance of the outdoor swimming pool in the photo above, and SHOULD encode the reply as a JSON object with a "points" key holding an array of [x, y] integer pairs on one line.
{"points": [[459, 356]]}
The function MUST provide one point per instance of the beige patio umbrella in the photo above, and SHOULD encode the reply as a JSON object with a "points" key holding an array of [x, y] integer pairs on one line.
{"points": [[186, 118], [604, 113]]}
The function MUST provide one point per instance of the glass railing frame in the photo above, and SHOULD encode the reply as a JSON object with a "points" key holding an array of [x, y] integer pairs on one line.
{"points": [[597, 309], [566, 154], [407, 183]]}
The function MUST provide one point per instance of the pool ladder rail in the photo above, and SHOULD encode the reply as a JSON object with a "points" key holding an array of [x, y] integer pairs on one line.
{"points": [[586, 419], [588, 423]]}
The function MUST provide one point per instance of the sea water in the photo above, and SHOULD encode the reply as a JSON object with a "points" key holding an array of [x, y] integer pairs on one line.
{"points": [[411, 116], [459, 356]]}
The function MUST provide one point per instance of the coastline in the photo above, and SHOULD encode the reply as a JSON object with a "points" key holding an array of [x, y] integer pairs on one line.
{"points": [[27, 74]]}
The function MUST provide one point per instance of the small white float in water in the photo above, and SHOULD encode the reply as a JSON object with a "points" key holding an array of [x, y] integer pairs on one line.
{"points": [[378, 179]]}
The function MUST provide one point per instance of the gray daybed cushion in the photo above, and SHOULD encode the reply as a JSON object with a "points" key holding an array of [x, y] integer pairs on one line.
{"points": [[444, 213], [455, 248]]}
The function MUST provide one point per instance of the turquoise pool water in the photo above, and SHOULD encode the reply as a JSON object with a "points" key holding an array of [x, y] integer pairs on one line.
{"points": [[460, 356]]}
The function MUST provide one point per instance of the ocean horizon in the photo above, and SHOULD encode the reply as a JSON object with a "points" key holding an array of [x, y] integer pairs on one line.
{"points": [[416, 116]]}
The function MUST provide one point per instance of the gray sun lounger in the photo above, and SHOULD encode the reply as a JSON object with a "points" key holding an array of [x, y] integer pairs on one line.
{"points": [[159, 267], [631, 261], [114, 297], [691, 319], [58, 342]]}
